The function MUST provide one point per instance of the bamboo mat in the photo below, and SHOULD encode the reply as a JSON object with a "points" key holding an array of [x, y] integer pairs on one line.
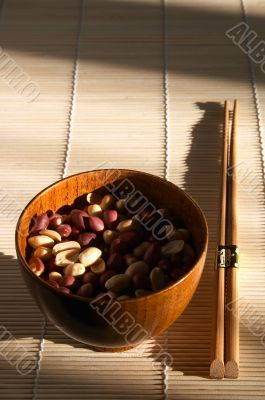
{"points": [[135, 84]]}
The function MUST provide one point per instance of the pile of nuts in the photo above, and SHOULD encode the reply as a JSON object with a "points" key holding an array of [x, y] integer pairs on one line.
{"points": [[103, 248]]}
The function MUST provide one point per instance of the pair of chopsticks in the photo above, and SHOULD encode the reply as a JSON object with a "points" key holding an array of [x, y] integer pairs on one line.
{"points": [[225, 342]]}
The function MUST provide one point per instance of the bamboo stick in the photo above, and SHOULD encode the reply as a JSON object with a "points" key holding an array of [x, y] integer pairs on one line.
{"points": [[232, 311], [217, 369]]}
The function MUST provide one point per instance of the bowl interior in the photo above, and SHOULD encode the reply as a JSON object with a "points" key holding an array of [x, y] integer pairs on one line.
{"points": [[63, 195]]}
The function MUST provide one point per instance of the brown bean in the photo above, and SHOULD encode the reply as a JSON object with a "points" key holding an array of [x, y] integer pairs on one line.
{"points": [[117, 246], [188, 256], [157, 278], [131, 238], [64, 230], [165, 265], [184, 233], [142, 292], [173, 247], [152, 254], [118, 283], [176, 273], [104, 277], [96, 224], [130, 259], [86, 290], [115, 262], [53, 284], [90, 277], [141, 281], [64, 289], [36, 265], [138, 266], [85, 238], [172, 233], [140, 250], [123, 297]]}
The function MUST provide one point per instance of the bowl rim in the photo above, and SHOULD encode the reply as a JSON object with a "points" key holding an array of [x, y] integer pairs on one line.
{"points": [[125, 301]]}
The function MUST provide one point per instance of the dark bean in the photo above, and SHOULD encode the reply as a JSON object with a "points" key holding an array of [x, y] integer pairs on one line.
{"points": [[104, 277], [67, 281], [141, 281], [152, 254], [86, 290], [110, 217], [85, 238], [55, 220], [64, 230], [117, 246], [90, 277], [96, 224], [165, 265], [131, 238], [115, 262], [77, 217], [64, 289], [188, 257], [75, 232], [54, 284], [40, 223]]}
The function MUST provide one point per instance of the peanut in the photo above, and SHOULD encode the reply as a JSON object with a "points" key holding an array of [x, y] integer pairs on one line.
{"points": [[90, 256], [52, 234], [65, 257], [65, 246], [40, 241], [76, 269]]}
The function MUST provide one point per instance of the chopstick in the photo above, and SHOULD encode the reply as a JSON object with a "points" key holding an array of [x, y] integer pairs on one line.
{"points": [[232, 309], [217, 369], [225, 339]]}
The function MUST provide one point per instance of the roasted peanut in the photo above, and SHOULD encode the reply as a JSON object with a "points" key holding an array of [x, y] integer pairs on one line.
{"points": [[40, 241], [89, 256], [65, 246], [44, 253], [66, 257], [36, 265], [52, 234], [98, 267], [76, 269]]}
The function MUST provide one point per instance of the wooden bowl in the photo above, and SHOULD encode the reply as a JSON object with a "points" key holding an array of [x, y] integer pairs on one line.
{"points": [[152, 314]]}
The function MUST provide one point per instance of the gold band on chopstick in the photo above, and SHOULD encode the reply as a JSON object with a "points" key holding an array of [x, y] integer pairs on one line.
{"points": [[227, 256]]}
